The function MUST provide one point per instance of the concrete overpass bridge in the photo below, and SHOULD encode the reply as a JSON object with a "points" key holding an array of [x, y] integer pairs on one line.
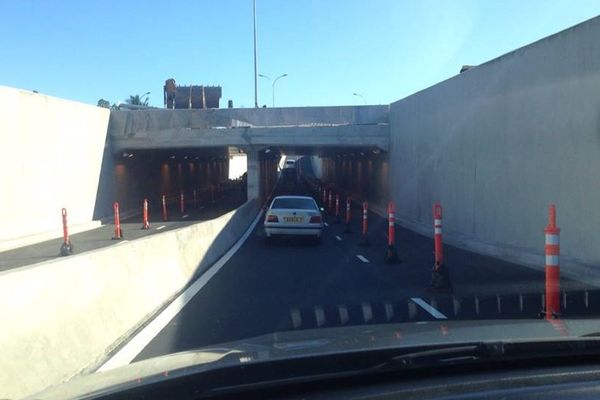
{"points": [[324, 131]]}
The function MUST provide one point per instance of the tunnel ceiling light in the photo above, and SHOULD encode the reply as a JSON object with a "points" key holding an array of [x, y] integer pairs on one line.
{"points": [[185, 157], [196, 158], [172, 157], [362, 153], [129, 155], [125, 155]]}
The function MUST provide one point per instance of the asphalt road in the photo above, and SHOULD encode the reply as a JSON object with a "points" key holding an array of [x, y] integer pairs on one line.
{"points": [[295, 284], [131, 229]]}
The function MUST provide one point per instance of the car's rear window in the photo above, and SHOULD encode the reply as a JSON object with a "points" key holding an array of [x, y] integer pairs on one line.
{"points": [[297, 204]]}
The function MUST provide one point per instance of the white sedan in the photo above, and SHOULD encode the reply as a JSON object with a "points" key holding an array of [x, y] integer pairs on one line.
{"points": [[294, 215]]}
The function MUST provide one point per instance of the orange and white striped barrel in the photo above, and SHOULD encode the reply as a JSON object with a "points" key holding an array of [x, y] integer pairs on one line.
{"points": [[117, 220], [145, 223], [65, 226], [391, 223], [437, 231], [552, 250], [365, 218]]}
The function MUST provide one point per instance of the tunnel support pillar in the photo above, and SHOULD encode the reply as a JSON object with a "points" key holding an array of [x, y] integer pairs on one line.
{"points": [[253, 170]]}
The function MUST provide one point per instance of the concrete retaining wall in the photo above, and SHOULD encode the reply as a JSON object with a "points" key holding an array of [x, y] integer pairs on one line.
{"points": [[50, 157], [64, 316], [497, 144]]}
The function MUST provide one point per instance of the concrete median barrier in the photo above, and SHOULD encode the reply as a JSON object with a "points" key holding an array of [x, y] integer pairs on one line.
{"points": [[63, 317]]}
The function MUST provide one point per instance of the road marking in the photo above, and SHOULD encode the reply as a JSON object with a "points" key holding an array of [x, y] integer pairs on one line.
{"points": [[132, 348], [343, 311], [434, 313], [325, 223], [296, 318], [338, 238], [185, 216], [122, 241], [361, 258], [161, 227], [367, 312]]}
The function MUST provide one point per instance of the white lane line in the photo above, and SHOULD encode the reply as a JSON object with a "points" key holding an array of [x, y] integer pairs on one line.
{"points": [[185, 216], [361, 258], [128, 352], [161, 227], [434, 313], [325, 223], [338, 238]]}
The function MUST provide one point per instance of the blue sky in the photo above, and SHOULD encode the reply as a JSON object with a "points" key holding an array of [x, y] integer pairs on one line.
{"points": [[382, 49]]}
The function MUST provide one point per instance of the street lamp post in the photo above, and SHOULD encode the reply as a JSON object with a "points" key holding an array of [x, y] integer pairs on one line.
{"points": [[361, 96], [255, 69], [142, 96], [273, 84]]}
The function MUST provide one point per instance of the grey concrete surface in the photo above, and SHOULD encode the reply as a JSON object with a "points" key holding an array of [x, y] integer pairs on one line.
{"points": [[50, 156], [68, 314], [130, 122], [366, 136], [497, 144]]}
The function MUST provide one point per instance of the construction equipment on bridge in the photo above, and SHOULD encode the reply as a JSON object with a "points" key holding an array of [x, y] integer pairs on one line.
{"points": [[364, 241], [391, 255], [164, 208], [348, 201], [552, 250], [440, 277], [145, 223], [66, 247], [190, 97], [118, 230]]}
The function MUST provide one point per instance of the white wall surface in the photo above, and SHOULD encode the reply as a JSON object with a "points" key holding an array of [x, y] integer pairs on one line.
{"points": [[50, 157], [497, 144], [66, 315]]}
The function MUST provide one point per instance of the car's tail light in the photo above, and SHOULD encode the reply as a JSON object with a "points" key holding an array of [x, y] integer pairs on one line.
{"points": [[272, 218], [315, 219]]}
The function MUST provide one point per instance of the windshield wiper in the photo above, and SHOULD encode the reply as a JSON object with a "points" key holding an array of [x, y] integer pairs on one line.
{"points": [[444, 355], [491, 351]]}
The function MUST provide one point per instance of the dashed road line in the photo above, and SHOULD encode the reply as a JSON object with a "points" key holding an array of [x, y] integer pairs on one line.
{"points": [[362, 258], [185, 216], [434, 312], [338, 238], [325, 223], [158, 228]]}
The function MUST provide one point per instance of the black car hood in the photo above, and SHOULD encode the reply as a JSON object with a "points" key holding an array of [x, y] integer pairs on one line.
{"points": [[304, 343]]}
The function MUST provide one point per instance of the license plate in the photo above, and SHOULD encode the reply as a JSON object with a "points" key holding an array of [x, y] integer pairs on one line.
{"points": [[293, 220]]}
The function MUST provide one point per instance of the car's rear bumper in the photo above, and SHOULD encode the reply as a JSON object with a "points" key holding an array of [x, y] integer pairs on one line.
{"points": [[296, 230]]}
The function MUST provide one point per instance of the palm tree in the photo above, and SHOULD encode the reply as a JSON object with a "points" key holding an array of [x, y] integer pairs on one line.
{"points": [[138, 100]]}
